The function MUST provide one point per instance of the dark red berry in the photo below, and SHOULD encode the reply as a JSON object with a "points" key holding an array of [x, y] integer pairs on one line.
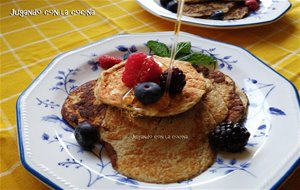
{"points": [[132, 68], [150, 71], [107, 61], [139, 68], [252, 5], [177, 81]]}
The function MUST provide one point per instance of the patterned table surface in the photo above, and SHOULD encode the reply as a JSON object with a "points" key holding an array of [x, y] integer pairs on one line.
{"points": [[29, 43]]}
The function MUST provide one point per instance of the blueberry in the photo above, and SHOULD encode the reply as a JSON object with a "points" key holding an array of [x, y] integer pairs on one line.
{"points": [[148, 92], [172, 6], [217, 15], [164, 2], [86, 135]]}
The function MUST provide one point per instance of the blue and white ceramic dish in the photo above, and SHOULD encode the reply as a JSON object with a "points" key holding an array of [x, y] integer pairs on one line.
{"points": [[50, 152], [269, 11]]}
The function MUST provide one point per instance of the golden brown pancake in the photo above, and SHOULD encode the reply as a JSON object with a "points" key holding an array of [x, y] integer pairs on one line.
{"points": [[159, 150], [161, 160], [111, 90], [228, 90], [243, 98], [206, 9], [178, 152], [237, 12], [81, 106], [215, 104], [235, 100], [203, 9]]}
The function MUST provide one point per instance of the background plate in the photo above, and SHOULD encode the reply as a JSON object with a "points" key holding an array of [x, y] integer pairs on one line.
{"points": [[49, 150], [269, 11]]}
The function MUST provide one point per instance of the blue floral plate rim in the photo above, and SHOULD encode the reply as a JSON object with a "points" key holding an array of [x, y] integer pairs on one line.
{"points": [[48, 181]]}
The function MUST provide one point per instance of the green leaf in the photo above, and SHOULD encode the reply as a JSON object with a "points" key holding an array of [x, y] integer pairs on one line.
{"points": [[158, 48], [183, 48], [197, 59]]}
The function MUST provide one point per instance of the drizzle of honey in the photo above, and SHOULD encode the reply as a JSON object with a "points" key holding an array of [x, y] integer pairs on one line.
{"points": [[128, 98], [174, 44]]}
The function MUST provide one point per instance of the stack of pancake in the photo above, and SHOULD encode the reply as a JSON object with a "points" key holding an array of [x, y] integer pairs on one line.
{"points": [[163, 142], [232, 9]]}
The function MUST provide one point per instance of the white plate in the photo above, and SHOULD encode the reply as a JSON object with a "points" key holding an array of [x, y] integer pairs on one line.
{"points": [[50, 152], [269, 11]]}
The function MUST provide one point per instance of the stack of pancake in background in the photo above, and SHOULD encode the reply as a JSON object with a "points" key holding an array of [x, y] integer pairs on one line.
{"points": [[232, 9]]}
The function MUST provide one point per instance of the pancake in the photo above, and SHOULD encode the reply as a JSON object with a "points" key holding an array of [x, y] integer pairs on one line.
{"points": [[236, 109], [206, 9], [243, 98], [81, 106], [232, 10], [215, 104], [237, 12], [235, 100], [159, 150], [159, 160], [111, 90]]}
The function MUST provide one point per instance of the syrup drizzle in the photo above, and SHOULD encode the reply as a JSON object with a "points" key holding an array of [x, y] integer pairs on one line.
{"points": [[174, 44], [126, 97]]}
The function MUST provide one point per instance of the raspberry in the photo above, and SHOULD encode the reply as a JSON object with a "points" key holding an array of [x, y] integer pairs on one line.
{"points": [[132, 68], [150, 71], [252, 5], [139, 68], [107, 61], [177, 81]]}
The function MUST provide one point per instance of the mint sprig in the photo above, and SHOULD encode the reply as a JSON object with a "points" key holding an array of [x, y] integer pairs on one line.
{"points": [[158, 48], [197, 59], [183, 53]]}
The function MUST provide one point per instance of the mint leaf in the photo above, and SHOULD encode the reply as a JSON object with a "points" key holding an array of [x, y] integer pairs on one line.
{"points": [[183, 53], [158, 48], [183, 48], [199, 59]]}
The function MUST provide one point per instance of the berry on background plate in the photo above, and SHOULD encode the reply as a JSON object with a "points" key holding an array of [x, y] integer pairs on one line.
{"points": [[252, 5]]}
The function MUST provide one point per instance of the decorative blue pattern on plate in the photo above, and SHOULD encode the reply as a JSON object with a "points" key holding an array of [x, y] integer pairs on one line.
{"points": [[230, 166], [43, 132], [47, 103], [101, 165], [65, 82]]}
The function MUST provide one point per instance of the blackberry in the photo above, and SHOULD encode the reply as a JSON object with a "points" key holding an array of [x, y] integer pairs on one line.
{"points": [[177, 81], [230, 137]]}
